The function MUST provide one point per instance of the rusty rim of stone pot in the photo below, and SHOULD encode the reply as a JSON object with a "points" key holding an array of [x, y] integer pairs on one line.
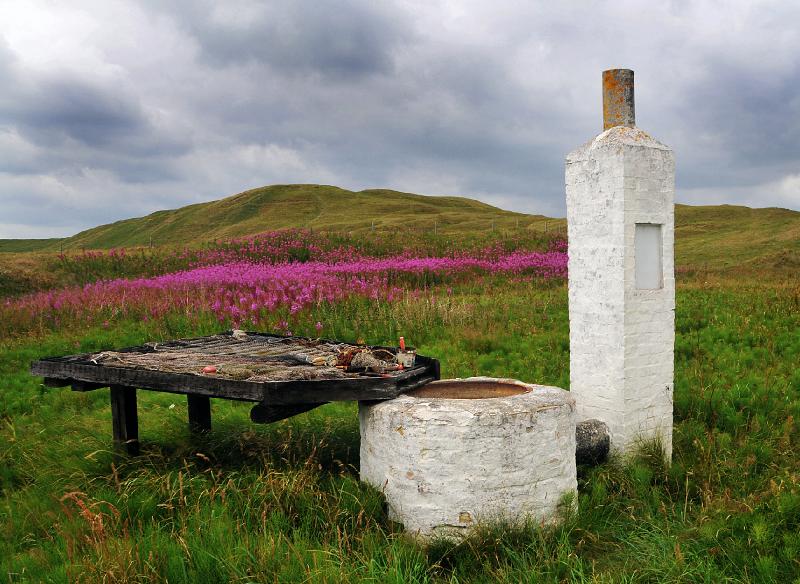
{"points": [[471, 388]]}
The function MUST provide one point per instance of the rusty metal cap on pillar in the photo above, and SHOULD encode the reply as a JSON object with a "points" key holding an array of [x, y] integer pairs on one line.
{"points": [[618, 107]]}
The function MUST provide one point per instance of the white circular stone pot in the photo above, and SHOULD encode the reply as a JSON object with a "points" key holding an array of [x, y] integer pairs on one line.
{"points": [[456, 453]]}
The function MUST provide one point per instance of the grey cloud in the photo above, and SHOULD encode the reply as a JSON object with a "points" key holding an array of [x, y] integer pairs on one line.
{"points": [[335, 39], [737, 129], [755, 118], [55, 111], [460, 110], [74, 110], [6, 59], [30, 207], [73, 123]]}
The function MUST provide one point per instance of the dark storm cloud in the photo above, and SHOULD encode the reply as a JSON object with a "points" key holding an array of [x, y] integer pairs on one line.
{"points": [[75, 122], [336, 39], [756, 118], [55, 111], [459, 111], [68, 108]]}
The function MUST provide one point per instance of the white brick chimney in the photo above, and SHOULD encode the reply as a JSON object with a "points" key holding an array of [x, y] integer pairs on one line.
{"points": [[620, 214]]}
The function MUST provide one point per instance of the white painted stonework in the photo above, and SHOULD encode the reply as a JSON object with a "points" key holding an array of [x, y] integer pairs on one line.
{"points": [[446, 465], [621, 337]]}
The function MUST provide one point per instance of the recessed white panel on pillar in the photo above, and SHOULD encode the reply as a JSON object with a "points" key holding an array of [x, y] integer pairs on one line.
{"points": [[620, 214]]}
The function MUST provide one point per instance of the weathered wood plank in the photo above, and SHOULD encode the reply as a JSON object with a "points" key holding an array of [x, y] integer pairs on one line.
{"points": [[378, 389], [124, 419], [199, 413], [275, 392], [152, 380]]}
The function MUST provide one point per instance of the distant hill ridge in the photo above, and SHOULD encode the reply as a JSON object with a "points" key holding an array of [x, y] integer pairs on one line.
{"points": [[286, 206], [716, 236]]}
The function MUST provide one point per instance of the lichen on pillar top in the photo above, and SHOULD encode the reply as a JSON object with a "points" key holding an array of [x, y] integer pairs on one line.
{"points": [[616, 136]]}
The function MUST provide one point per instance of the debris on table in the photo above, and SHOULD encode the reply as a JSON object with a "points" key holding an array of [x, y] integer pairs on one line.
{"points": [[256, 357], [378, 361]]}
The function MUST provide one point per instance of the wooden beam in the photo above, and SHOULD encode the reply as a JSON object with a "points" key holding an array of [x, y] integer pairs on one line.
{"points": [[436, 368], [268, 413], [124, 419], [55, 382], [199, 413], [86, 386]]}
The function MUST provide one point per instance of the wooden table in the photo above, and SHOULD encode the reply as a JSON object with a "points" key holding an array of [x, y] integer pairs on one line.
{"points": [[274, 400]]}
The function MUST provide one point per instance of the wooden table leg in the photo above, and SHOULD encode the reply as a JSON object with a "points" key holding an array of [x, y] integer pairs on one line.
{"points": [[124, 419], [199, 413]]}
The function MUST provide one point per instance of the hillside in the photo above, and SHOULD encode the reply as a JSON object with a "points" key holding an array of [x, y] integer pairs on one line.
{"points": [[721, 237], [25, 245], [725, 236], [284, 206], [713, 237]]}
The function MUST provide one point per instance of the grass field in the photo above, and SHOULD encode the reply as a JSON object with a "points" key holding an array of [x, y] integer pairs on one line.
{"points": [[282, 503]]}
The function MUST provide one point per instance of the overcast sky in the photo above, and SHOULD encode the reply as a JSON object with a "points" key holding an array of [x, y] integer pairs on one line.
{"points": [[113, 109]]}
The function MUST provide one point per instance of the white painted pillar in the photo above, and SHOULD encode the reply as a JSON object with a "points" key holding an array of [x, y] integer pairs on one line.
{"points": [[620, 214]]}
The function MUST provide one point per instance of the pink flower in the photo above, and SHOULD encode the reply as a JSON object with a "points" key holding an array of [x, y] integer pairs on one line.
{"points": [[238, 282]]}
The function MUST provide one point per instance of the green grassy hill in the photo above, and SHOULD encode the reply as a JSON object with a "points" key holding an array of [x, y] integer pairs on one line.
{"points": [[24, 245], [713, 237], [721, 237], [284, 206], [725, 236]]}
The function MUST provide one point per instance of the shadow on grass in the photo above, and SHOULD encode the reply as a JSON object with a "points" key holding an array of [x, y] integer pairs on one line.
{"points": [[325, 440]]}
